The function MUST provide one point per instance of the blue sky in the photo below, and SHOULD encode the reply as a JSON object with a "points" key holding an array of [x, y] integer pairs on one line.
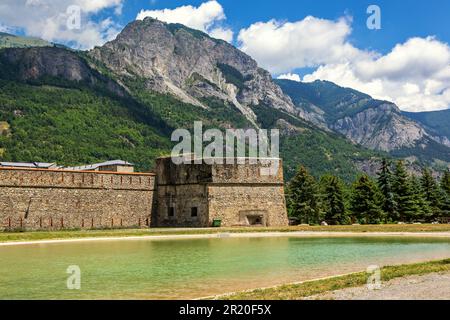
{"points": [[407, 61], [400, 19]]}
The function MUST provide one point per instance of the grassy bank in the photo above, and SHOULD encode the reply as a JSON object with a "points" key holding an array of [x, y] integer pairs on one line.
{"points": [[53, 235], [307, 289]]}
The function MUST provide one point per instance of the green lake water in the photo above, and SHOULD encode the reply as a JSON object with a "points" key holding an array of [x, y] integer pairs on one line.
{"points": [[185, 269]]}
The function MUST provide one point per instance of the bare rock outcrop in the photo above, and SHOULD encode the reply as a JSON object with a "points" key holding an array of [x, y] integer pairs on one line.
{"points": [[174, 59]]}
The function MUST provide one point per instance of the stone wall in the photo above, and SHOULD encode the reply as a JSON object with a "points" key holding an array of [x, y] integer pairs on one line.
{"points": [[188, 195], [247, 194], [183, 199], [56, 199], [262, 172], [233, 204], [168, 173], [270, 171]]}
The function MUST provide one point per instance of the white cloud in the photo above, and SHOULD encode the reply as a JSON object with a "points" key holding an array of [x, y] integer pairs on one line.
{"points": [[418, 58], [222, 33], [290, 76], [5, 28], [415, 74], [47, 19], [284, 46], [97, 5], [207, 18], [201, 17]]}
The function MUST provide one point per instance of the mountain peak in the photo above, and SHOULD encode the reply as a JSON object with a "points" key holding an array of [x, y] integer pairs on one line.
{"points": [[189, 64]]}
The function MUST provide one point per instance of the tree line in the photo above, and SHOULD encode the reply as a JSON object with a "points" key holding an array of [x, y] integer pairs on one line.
{"points": [[392, 196]]}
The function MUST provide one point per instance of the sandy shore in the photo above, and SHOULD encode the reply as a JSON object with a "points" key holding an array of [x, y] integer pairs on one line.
{"points": [[304, 234]]}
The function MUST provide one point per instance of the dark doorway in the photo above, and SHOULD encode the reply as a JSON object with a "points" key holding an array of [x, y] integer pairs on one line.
{"points": [[255, 220], [171, 212]]}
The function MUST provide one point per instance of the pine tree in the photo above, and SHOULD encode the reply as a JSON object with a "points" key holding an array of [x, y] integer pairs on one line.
{"points": [[432, 193], [333, 199], [404, 194], [445, 182], [366, 201], [303, 197], [445, 187], [385, 181], [421, 209]]}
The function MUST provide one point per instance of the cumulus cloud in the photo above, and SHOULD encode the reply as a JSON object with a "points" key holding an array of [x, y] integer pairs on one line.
{"points": [[416, 59], [222, 33], [48, 19], [414, 74], [290, 76], [207, 18], [284, 46]]}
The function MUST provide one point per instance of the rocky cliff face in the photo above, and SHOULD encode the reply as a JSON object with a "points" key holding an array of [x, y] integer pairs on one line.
{"points": [[435, 122], [190, 65], [36, 63], [381, 128], [375, 124]]}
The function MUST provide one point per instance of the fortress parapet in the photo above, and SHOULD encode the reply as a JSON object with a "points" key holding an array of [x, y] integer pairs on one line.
{"points": [[44, 196], [67, 199]]}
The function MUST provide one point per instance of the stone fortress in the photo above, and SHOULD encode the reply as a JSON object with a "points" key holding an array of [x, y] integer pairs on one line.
{"points": [[44, 196]]}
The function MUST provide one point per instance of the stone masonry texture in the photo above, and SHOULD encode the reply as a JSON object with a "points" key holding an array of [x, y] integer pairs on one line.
{"points": [[186, 195], [236, 194], [56, 199]]}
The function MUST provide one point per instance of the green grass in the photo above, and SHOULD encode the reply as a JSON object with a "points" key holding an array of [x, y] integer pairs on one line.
{"points": [[13, 41], [310, 288], [74, 234]]}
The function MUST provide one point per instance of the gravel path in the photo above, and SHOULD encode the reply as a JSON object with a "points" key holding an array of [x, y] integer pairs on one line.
{"points": [[434, 286]]}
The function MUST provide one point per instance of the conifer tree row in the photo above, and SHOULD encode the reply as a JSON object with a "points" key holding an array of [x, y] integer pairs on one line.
{"points": [[394, 196]]}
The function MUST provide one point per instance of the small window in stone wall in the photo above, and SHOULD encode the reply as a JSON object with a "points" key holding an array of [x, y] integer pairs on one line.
{"points": [[194, 212], [171, 212]]}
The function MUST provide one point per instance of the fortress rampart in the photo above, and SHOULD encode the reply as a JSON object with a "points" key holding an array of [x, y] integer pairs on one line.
{"points": [[186, 195], [61, 199]]}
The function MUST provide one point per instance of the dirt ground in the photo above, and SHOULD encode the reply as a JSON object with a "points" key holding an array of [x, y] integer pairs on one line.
{"points": [[434, 286]]}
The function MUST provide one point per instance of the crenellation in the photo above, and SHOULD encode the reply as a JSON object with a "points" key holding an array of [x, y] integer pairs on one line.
{"points": [[70, 179]]}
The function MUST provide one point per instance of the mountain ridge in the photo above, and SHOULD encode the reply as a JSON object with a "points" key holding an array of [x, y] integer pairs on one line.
{"points": [[375, 124], [13, 41], [436, 121]]}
